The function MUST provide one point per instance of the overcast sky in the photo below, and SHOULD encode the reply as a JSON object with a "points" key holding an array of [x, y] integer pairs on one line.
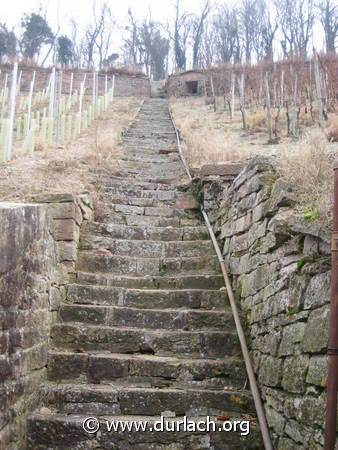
{"points": [[62, 11]]}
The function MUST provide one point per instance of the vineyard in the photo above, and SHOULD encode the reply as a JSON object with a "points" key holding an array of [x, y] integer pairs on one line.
{"points": [[37, 115], [295, 93], [281, 97], [282, 110]]}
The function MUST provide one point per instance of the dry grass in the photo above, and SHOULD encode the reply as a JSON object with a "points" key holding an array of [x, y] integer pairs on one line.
{"points": [[331, 130], [307, 165], [306, 162], [205, 133], [257, 121], [72, 168]]}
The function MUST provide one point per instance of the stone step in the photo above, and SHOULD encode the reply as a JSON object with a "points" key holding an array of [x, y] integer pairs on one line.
{"points": [[165, 211], [165, 319], [147, 248], [146, 298], [90, 230], [146, 370], [97, 261], [120, 182], [94, 399], [196, 344], [156, 221], [137, 157], [47, 431], [202, 280], [132, 191]]}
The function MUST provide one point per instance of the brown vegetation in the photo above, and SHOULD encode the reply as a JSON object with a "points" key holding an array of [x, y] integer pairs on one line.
{"points": [[75, 167]]}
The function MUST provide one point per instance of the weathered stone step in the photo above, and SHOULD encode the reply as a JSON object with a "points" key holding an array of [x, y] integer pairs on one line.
{"points": [[146, 298], [146, 370], [165, 319], [48, 431], [155, 178], [115, 181], [97, 261], [147, 248], [156, 221], [132, 191], [137, 157], [166, 211], [96, 399], [196, 344], [144, 221], [117, 231], [202, 280]]}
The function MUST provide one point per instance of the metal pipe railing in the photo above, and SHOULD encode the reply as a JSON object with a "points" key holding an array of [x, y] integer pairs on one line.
{"points": [[332, 379], [241, 336]]}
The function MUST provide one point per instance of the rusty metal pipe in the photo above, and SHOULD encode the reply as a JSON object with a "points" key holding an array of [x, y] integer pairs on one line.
{"points": [[241, 336], [332, 380]]}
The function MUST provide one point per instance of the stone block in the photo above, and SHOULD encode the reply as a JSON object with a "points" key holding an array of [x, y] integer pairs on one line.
{"points": [[292, 335], [67, 250], [318, 291], [258, 279], [65, 230], [298, 285], [297, 432], [186, 201], [267, 343], [308, 410], [66, 210], [275, 420], [270, 371], [281, 195], [317, 331], [54, 298], [317, 373], [288, 444], [294, 373]]}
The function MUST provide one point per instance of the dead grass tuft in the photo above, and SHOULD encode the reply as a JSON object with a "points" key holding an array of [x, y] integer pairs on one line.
{"points": [[331, 130], [257, 121], [307, 165]]}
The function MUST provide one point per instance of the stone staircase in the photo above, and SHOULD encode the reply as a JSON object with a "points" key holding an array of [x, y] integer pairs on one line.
{"points": [[144, 331]]}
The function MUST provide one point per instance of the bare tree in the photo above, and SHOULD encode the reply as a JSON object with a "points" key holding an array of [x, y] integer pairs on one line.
{"points": [[103, 39], [198, 24], [181, 34], [248, 16], [94, 30], [131, 44], [266, 30], [228, 43], [329, 19], [296, 18]]}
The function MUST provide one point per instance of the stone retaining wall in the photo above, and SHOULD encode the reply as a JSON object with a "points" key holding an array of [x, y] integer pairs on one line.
{"points": [[38, 247], [126, 83], [280, 267]]}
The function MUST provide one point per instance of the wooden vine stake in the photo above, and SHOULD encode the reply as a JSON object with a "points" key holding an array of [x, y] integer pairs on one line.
{"points": [[232, 96], [213, 92], [268, 106], [318, 90], [294, 109], [241, 99]]}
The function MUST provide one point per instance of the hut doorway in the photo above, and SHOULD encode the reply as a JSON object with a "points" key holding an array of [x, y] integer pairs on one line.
{"points": [[192, 87]]}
